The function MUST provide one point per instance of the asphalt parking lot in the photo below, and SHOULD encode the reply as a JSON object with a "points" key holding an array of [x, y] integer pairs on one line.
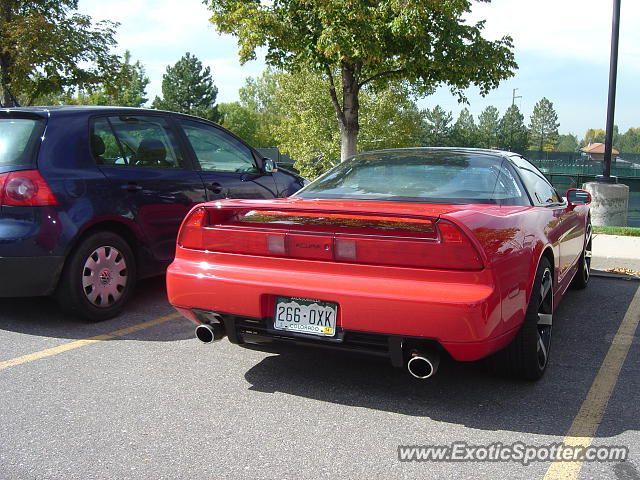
{"points": [[138, 397]]}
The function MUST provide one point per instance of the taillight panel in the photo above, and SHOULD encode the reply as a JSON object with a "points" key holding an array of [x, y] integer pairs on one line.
{"points": [[25, 188], [369, 239], [339, 222], [3, 180]]}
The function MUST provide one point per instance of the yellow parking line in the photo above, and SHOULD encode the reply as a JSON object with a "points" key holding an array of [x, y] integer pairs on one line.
{"points": [[87, 341], [586, 422]]}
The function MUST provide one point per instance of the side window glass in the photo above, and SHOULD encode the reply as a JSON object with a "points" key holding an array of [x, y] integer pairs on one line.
{"points": [[216, 151], [540, 189], [141, 142], [104, 145]]}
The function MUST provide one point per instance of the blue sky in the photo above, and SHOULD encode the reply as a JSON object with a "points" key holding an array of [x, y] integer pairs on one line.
{"points": [[562, 48]]}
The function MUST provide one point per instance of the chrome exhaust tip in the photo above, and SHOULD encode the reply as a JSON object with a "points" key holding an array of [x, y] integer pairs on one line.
{"points": [[423, 366], [210, 333]]}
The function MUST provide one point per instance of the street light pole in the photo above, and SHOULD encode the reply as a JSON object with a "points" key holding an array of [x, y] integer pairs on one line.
{"points": [[613, 73]]}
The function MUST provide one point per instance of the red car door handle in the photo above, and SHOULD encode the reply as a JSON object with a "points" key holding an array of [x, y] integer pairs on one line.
{"points": [[215, 187], [131, 187]]}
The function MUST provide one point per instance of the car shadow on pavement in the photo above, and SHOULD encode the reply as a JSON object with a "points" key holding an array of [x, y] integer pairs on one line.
{"points": [[467, 393], [43, 317]]}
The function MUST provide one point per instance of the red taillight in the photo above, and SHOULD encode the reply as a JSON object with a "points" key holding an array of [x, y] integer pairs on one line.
{"points": [[456, 251], [398, 241], [25, 188], [3, 179], [191, 233], [193, 228]]}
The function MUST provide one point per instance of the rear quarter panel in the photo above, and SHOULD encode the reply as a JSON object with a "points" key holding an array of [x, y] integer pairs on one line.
{"points": [[513, 240]]}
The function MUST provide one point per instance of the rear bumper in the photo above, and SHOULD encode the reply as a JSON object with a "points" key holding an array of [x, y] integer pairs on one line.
{"points": [[29, 276], [260, 331], [458, 310]]}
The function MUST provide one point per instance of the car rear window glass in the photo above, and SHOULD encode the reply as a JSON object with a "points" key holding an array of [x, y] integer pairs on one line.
{"points": [[19, 140], [416, 176]]}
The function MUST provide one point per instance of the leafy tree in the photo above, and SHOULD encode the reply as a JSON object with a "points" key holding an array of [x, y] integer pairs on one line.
{"points": [[308, 132], [488, 127], [465, 131], [127, 88], [630, 141], [437, 127], [245, 123], [594, 135], [390, 118], [543, 130], [45, 47], [567, 143], [259, 96], [598, 135], [368, 43], [188, 88], [306, 127], [512, 133]]}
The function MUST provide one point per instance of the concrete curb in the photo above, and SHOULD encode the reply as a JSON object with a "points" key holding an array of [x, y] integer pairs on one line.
{"points": [[618, 276]]}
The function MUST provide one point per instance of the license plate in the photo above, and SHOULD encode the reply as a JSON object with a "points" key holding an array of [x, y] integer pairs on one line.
{"points": [[303, 315]]}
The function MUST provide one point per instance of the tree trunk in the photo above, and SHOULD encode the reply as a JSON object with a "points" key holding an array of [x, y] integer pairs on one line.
{"points": [[348, 144], [7, 100], [349, 125]]}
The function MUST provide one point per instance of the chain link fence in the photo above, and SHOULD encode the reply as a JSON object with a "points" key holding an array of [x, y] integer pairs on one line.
{"points": [[571, 170], [563, 169]]}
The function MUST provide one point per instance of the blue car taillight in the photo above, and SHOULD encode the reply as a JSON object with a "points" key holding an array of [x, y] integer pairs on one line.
{"points": [[25, 188]]}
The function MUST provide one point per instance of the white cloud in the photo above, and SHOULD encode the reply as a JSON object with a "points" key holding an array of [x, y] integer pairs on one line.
{"points": [[229, 76], [572, 29], [151, 22], [560, 44], [159, 32]]}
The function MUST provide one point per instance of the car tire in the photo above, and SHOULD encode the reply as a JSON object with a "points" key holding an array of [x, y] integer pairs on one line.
{"points": [[581, 279], [99, 277], [527, 356]]}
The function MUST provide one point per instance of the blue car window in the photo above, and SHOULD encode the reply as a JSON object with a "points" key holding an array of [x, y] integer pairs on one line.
{"points": [[135, 141], [104, 145], [18, 140], [217, 151]]}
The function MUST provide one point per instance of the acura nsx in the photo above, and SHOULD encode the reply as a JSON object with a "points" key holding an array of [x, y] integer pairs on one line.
{"points": [[406, 253]]}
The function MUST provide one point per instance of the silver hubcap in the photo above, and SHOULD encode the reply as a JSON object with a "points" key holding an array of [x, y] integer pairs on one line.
{"points": [[545, 318], [104, 276]]}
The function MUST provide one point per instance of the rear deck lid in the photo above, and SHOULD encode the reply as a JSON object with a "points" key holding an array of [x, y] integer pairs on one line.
{"points": [[354, 232]]}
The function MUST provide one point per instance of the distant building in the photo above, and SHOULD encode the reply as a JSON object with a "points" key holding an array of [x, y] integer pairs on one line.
{"points": [[596, 151]]}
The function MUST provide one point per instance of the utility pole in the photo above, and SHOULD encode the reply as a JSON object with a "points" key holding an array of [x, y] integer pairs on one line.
{"points": [[513, 99], [613, 73], [611, 199]]}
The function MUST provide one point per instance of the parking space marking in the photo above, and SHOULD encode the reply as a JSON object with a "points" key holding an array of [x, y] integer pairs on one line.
{"points": [[86, 341], [586, 422]]}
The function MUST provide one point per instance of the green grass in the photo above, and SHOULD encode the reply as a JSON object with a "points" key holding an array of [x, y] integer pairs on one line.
{"points": [[626, 231]]}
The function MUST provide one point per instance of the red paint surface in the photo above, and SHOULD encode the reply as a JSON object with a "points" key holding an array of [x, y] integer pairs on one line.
{"points": [[472, 313]]}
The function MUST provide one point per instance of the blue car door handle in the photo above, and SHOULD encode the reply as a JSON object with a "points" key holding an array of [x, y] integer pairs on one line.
{"points": [[215, 187], [131, 187]]}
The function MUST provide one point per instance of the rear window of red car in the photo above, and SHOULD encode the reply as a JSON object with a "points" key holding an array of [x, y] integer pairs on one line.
{"points": [[421, 176]]}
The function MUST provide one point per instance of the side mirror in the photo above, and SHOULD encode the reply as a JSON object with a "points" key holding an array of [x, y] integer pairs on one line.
{"points": [[575, 197], [269, 165]]}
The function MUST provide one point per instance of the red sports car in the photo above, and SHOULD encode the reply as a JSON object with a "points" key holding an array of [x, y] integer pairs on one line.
{"points": [[404, 253]]}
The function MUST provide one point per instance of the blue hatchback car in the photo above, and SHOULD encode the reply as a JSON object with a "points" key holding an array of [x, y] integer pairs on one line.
{"points": [[91, 198]]}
